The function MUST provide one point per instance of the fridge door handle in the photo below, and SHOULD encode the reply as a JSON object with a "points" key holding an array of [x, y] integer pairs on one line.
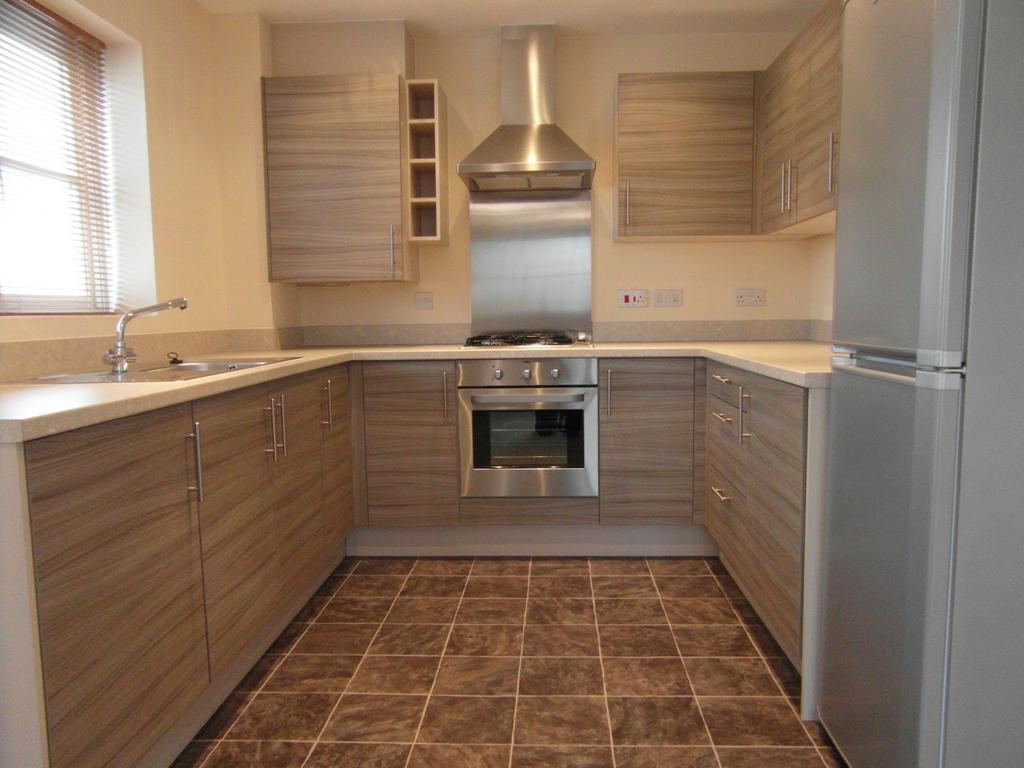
{"points": [[942, 379]]}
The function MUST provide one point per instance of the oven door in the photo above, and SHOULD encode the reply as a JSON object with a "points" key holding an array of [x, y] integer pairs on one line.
{"points": [[528, 441]]}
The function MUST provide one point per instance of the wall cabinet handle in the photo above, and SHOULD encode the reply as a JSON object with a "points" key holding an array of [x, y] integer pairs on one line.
{"points": [[789, 185], [721, 417], [444, 396], [627, 202], [330, 407], [831, 150], [721, 496], [197, 449], [273, 429], [782, 190], [284, 430], [391, 244]]}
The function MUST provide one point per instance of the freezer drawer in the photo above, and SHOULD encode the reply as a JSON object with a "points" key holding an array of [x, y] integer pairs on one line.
{"points": [[892, 465]]}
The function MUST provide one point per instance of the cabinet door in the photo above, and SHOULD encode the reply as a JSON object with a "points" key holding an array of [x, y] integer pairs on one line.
{"points": [[685, 153], [411, 447], [646, 455], [115, 542], [297, 484], [776, 137], [817, 130], [777, 425], [237, 519], [334, 181], [338, 508]]}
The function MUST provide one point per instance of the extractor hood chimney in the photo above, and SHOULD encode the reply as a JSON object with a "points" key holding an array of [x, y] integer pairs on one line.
{"points": [[528, 151]]}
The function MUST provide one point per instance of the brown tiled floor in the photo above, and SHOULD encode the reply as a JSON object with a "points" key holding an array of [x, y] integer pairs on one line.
{"points": [[512, 663]]}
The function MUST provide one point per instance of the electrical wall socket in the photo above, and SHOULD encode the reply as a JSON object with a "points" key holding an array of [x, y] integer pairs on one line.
{"points": [[424, 300], [636, 297], [751, 297], [663, 298]]}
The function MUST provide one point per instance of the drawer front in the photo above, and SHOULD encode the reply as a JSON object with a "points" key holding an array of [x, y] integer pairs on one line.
{"points": [[726, 507], [724, 448], [725, 382]]}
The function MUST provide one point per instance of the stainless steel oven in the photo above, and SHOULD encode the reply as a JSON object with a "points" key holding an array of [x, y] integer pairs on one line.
{"points": [[528, 427]]}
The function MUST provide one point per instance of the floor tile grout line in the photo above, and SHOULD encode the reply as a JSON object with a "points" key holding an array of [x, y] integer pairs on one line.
{"points": [[689, 680], [355, 672], [277, 666], [519, 671], [775, 678], [437, 670], [600, 656]]}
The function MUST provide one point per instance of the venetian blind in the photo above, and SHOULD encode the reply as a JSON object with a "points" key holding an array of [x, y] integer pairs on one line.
{"points": [[55, 213]]}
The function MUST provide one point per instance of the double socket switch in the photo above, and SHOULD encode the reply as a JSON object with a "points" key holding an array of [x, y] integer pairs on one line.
{"points": [[639, 297]]}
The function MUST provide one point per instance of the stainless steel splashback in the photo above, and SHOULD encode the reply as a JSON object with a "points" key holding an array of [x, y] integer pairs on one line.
{"points": [[531, 260]]}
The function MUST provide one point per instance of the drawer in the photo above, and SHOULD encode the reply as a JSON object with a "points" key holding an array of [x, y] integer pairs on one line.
{"points": [[726, 507], [724, 448], [725, 382]]}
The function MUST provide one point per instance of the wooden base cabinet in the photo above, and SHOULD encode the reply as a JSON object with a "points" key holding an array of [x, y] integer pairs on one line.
{"points": [[412, 463], [755, 493], [647, 440], [119, 580]]}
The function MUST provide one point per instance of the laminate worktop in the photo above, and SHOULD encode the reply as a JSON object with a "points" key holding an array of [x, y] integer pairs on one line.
{"points": [[30, 410]]}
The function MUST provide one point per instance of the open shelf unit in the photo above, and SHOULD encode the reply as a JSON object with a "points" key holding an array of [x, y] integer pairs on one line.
{"points": [[427, 163]]}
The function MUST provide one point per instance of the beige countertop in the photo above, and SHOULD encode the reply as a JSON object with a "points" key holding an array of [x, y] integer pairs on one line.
{"points": [[32, 410]]}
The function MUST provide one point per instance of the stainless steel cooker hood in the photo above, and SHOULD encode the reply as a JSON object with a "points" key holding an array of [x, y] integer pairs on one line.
{"points": [[528, 151]]}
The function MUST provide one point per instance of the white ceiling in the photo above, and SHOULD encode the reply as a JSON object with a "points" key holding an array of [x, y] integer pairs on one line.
{"points": [[459, 17]]}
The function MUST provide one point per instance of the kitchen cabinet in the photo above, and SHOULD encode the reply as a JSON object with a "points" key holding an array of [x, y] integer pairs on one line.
{"points": [[755, 493], [237, 516], [798, 125], [409, 410], [338, 513], [296, 484], [684, 154], [647, 440], [116, 548], [336, 190]]}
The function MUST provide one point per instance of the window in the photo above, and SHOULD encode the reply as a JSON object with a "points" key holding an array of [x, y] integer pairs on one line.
{"points": [[56, 254]]}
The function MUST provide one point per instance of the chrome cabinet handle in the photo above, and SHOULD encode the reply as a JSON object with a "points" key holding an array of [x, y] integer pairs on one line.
{"points": [[330, 408], [740, 434], [782, 190], [721, 417], [627, 202], [831, 145], [197, 448], [721, 496], [273, 429], [391, 243], [444, 397], [722, 379], [608, 392], [284, 430], [789, 185]]}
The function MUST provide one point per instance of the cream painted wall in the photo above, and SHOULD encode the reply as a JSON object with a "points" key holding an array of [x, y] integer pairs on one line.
{"points": [[587, 68], [204, 135]]}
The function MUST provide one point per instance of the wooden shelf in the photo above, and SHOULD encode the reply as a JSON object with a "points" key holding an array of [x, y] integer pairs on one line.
{"points": [[427, 163]]}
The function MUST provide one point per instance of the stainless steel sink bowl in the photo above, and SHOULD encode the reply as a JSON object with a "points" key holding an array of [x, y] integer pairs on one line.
{"points": [[190, 369]]}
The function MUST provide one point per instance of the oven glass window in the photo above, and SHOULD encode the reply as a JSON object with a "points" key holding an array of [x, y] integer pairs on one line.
{"points": [[528, 439]]}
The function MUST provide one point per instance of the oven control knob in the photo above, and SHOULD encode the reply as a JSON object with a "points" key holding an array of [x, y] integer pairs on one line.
{"points": [[555, 373], [527, 373], [499, 374]]}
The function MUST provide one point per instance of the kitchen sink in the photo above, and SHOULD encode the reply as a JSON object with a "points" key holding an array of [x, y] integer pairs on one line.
{"points": [[183, 371]]}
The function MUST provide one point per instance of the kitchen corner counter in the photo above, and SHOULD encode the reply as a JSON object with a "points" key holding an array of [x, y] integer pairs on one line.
{"points": [[33, 410]]}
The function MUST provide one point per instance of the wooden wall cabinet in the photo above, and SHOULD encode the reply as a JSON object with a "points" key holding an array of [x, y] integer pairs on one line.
{"points": [[412, 469], [336, 182], [755, 493], [647, 440], [684, 154], [115, 541], [798, 125]]}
